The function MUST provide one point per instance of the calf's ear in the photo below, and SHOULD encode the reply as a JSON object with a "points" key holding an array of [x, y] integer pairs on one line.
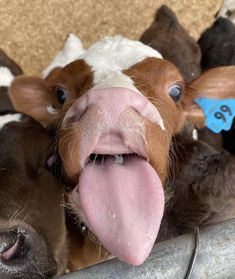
{"points": [[205, 97], [33, 96]]}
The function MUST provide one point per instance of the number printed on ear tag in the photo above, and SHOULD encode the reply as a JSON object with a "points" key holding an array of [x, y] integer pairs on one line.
{"points": [[219, 114]]}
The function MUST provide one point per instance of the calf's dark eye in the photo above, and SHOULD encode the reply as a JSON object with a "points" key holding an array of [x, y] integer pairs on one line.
{"points": [[175, 92], [61, 95]]}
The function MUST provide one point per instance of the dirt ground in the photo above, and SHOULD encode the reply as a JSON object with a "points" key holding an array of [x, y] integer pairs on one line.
{"points": [[33, 31]]}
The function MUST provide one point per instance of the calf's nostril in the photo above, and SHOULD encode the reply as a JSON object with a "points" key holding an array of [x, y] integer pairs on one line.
{"points": [[7, 240], [111, 102], [10, 241]]}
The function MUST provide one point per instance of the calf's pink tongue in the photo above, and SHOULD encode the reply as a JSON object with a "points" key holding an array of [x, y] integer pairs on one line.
{"points": [[123, 205]]}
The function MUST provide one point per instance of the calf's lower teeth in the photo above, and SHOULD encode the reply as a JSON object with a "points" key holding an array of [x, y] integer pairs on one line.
{"points": [[118, 159]]}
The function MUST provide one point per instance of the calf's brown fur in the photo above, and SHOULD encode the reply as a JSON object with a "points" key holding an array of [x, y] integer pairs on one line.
{"points": [[15, 70], [32, 224], [152, 77], [201, 184], [174, 43]]}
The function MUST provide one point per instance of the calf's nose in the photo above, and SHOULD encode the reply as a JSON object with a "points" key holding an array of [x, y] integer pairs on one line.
{"points": [[8, 244], [112, 102], [11, 244]]}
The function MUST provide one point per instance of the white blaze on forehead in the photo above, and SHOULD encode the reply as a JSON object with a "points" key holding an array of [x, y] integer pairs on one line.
{"points": [[6, 76], [72, 50], [7, 118], [109, 57]]}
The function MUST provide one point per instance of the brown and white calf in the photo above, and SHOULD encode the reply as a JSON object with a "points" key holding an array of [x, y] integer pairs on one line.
{"points": [[116, 110], [32, 224]]}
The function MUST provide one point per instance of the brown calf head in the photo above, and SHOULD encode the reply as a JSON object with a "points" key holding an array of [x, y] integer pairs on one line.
{"points": [[118, 107], [167, 36], [32, 225]]}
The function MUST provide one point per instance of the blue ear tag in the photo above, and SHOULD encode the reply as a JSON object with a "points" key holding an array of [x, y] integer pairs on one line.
{"points": [[219, 113]]}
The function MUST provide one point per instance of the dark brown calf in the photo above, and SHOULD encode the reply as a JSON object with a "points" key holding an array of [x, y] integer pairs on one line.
{"points": [[167, 36], [32, 223], [203, 188]]}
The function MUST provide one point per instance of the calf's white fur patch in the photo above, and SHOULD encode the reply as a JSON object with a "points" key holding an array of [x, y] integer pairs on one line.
{"points": [[227, 9], [4, 119], [6, 76], [110, 56], [195, 134], [72, 50]]}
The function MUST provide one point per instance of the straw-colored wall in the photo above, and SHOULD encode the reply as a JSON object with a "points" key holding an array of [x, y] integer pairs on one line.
{"points": [[32, 31]]}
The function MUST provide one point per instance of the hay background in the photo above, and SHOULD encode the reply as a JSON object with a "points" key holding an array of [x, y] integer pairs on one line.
{"points": [[32, 31]]}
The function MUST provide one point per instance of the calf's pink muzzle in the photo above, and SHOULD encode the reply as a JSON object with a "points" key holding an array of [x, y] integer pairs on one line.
{"points": [[122, 201]]}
